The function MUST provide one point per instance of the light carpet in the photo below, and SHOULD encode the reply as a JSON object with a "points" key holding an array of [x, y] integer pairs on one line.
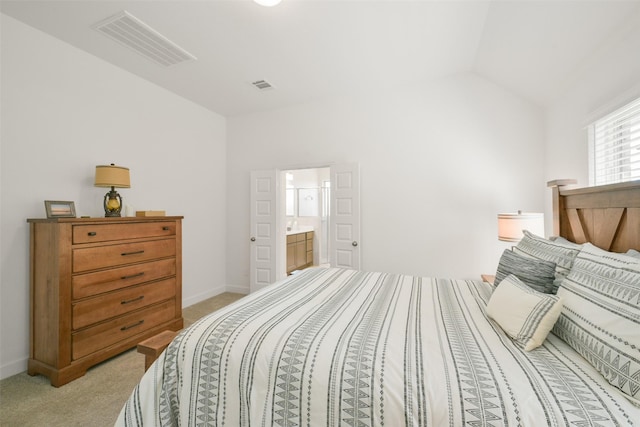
{"points": [[92, 400]]}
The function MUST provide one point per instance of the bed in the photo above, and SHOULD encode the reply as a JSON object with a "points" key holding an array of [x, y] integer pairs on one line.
{"points": [[331, 346]]}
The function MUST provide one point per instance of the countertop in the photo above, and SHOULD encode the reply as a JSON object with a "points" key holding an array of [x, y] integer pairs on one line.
{"points": [[300, 229]]}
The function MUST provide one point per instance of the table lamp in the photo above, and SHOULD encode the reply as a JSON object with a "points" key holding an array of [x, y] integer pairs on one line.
{"points": [[115, 177], [511, 225]]}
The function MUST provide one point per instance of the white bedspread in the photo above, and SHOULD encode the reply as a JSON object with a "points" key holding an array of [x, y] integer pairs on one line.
{"points": [[330, 347]]}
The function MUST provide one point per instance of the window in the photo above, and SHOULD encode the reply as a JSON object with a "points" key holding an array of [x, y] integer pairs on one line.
{"points": [[614, 146]]}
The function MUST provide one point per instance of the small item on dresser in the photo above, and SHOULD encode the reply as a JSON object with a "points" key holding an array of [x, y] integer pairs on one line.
{"points": [[150, 213]]}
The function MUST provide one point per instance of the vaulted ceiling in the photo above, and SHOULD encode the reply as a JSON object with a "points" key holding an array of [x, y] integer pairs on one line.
{"points": [[310, 49]]}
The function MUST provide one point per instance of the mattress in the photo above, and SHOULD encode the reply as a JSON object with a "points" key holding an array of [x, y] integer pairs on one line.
{"points": [[329, 347]]}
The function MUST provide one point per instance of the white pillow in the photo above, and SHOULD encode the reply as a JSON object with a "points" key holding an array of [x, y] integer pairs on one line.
{"points": [[525, 314]]}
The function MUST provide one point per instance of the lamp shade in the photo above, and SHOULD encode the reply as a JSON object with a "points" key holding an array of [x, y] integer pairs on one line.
{"points": [[112, 176], [511, 225]]}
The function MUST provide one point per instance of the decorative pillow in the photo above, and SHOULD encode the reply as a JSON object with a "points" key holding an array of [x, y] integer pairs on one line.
{"points": [[601, 315], [535, 273], [562, 240], [525, 314], [559, 252]]}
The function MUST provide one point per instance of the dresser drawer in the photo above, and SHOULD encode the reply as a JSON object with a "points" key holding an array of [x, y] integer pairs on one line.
{"points": [[86, 259], [103, 335], [97, 309], [89, 284], [109, 232]]}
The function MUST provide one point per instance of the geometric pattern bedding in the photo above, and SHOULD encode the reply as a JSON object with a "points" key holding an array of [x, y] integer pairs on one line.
{"points": [[329, 347], [601, 315]]}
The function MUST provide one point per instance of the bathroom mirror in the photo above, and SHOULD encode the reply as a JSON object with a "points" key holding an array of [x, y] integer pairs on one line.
{"points": [[308, 199]]}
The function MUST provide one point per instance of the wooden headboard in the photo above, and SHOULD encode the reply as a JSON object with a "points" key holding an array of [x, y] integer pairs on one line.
{"points": [[608, 216]]}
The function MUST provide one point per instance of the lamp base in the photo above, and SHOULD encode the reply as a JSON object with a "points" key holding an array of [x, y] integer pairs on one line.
{"points": [[112, 204]]}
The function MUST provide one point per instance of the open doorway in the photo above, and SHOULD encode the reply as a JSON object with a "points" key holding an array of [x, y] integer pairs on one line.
{"points": [[307, 217], [268, 223]]}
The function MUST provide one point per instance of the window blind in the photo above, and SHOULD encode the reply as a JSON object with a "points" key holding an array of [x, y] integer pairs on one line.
{"points": [[614, 146]]}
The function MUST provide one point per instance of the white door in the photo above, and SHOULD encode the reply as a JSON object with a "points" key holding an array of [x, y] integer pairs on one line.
{"points": [[264, 228], [345, 216]]}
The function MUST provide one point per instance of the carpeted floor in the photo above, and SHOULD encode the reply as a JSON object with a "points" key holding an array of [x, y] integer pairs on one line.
{"points": [[92, 400]]}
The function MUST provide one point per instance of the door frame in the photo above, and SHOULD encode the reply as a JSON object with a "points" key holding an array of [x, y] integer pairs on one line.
{"points": [[279, 266]]}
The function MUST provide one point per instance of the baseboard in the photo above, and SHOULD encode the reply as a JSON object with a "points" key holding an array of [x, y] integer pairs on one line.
{"points": [[186, 302], [13, 368], [237, 289]]}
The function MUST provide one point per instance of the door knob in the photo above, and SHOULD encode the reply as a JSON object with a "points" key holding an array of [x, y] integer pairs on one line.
{"points": [[253, 239], [354, 243]]}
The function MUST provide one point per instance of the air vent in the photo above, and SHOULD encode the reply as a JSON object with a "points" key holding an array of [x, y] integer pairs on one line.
{"points": [[131, 32], [262, 84]]}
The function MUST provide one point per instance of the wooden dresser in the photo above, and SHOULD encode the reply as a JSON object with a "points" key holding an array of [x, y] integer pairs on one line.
{"points": [[98, 287]]}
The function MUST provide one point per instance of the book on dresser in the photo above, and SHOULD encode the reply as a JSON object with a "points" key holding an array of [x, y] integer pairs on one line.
{"points": [[99, 286]]}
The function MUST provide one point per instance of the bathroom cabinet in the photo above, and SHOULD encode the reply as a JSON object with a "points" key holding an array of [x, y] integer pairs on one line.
{"points": [[299, 250]]}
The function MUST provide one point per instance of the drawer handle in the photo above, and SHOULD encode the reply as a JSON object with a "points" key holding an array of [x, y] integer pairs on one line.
{"points": [[165, 228], [141, 297], [132, 276], [124, 328], [132, 253], [91, 233]]}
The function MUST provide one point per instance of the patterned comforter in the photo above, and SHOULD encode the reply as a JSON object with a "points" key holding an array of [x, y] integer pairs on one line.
{"points": [[330, 347]]}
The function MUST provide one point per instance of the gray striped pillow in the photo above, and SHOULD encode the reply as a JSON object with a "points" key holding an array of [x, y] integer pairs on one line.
{"points": [[561, 252], [537, 274], [601, 315]]}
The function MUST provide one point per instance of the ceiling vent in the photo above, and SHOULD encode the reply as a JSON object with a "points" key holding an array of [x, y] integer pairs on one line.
{"points": [[131, 32], [262, 85]]}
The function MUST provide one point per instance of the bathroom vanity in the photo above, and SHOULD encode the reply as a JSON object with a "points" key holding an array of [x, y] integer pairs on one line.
{"points": [[299, 249]]}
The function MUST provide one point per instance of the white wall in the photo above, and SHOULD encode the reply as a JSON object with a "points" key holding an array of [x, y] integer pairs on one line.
{"points": [[437, 164], [63, 112], [608, 79]]}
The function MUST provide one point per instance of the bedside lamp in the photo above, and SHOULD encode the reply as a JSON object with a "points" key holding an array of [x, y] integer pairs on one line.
{"points": [[115, 177], [510, 225]]}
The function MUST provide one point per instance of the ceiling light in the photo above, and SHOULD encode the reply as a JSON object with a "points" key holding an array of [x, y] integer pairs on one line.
{"points": [[267, 3]]}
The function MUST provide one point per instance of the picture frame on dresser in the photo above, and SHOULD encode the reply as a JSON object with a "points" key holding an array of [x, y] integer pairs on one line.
{"points": [[60, 209]]}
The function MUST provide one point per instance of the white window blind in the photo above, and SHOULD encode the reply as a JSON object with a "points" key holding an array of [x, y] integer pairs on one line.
{"points": [[614, 146]]}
